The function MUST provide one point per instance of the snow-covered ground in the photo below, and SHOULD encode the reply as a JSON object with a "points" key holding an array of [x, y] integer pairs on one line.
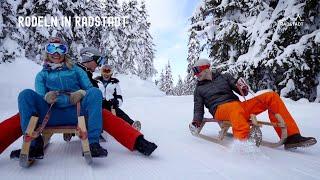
{"points": [[164, 121]]}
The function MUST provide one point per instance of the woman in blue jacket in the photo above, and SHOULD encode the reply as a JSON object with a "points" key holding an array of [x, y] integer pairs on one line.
{"points": [[62, 84]]}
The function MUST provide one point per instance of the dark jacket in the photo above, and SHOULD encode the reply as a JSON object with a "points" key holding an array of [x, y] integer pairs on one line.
{"points": [[213, 93], [90, 75]]}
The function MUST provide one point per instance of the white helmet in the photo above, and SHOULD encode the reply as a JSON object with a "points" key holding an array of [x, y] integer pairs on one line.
{"points": [[202, 62], [200, 66]]}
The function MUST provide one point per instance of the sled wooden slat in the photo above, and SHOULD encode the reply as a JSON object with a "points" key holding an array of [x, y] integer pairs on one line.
{"points": [[84, 141], [79, 130], [46, 138], [225, 125], [259, 122], [24, 153], [61, 129]]}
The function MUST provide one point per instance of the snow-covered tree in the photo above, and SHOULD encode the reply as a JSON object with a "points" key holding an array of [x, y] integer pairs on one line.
{"points": [[131, 55], [178, 89], [137, 45], [193, 56], [273, 43], [129, 49], [111, 42], [146, 46], [75, 36], [10, 34], [165, 82]]}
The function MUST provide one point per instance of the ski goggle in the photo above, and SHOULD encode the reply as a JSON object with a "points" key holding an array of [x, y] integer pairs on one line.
{"points": [[101, 60], [106, 71], [88, 56], [52, 48], [198, 69]]}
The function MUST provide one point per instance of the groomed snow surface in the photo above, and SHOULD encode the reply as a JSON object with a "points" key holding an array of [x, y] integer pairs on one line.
{"points": [[164, 121]]}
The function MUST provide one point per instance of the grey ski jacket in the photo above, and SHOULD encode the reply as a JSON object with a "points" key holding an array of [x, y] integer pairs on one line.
{"points": [[213, 93]]}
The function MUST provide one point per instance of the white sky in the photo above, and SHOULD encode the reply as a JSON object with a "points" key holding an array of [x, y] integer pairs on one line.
{"points": [[169, 25]]}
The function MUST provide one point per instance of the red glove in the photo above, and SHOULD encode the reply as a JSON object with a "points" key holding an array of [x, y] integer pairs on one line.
{"points": [[242, 86]]}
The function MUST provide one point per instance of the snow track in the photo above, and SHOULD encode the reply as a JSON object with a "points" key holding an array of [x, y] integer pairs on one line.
{"points": [[179, 155]]}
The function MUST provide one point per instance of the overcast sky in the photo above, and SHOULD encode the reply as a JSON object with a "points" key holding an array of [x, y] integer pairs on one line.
{"points": [[169, 27]]}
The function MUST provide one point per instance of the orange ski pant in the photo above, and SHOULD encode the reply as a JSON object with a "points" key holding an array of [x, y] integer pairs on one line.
{"points": [[10, 130], [238, 113]]}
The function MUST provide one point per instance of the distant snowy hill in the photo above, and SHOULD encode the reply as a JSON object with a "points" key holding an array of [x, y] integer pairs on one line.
{"points": [[165, 121]]}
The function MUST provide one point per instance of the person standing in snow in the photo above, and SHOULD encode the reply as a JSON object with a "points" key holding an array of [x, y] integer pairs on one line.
{"points": [[61, 85], [112, 95], [215, 91]]}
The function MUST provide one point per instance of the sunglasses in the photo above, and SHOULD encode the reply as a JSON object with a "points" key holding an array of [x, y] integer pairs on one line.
{"points": [[198, 69], [52, 48]]}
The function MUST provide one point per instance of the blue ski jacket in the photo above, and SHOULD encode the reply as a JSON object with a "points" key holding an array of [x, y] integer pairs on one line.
{"points": [[66, 79]]}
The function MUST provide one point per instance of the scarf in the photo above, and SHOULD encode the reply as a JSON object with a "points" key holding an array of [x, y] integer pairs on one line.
{"points": [[53, 66]]}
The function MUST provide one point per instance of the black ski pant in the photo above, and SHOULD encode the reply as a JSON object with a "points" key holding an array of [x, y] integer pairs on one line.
{"points": [[119, 112]]}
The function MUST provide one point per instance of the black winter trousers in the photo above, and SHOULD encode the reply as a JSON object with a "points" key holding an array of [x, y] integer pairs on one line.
{"points": [[119, 112]]}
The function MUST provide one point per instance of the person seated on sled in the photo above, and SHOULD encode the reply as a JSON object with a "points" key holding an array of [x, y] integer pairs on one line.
{"points": [[215, 91], [115, 126], [62, 84], [112, 95]]}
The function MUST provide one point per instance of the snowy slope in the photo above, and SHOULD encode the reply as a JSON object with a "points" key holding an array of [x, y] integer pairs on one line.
{"points": [[179, 156]]}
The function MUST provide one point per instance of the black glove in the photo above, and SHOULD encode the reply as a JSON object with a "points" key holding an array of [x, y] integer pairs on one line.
{"points": [[114, 102], [196, 123]]}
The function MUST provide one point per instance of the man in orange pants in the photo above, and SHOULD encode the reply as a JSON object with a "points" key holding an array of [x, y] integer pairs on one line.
{"points": [[215, 91]]}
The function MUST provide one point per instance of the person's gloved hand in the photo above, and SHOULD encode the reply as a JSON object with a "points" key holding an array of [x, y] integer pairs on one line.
{"points": [[76, 96], [242, 86], [114, 102], [51, 97], [196, 123]]}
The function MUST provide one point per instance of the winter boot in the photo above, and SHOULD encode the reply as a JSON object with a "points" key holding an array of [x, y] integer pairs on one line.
{"points": [[102, 139], [35, 152], [136, 125], [145, 147], [296, 140], [97, 150]]}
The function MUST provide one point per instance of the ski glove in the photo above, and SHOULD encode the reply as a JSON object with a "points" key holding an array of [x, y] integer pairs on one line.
{"points": [[242, 86], [51, 97], [76, 96], [114, 102], [196, 123]]}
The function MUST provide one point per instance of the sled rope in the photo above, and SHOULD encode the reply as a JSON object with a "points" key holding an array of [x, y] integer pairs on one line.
{"points": [[38, 131]]}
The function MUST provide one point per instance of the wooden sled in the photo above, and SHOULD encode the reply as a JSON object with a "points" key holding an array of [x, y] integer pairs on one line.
{"points": [[81, 131], [254, 133]]}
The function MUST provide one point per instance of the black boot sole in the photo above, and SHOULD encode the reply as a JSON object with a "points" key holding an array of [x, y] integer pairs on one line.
{"points": [[16, 156], [305, 144], [151, 151]]}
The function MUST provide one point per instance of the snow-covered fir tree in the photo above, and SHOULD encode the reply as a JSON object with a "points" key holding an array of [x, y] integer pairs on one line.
{"points": [[272, 43], [111, 42], [146, 46], [165, 83], [131, 55], [129, 49], [36, 37], [193, 56], [179, 88], [10, 35]]}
